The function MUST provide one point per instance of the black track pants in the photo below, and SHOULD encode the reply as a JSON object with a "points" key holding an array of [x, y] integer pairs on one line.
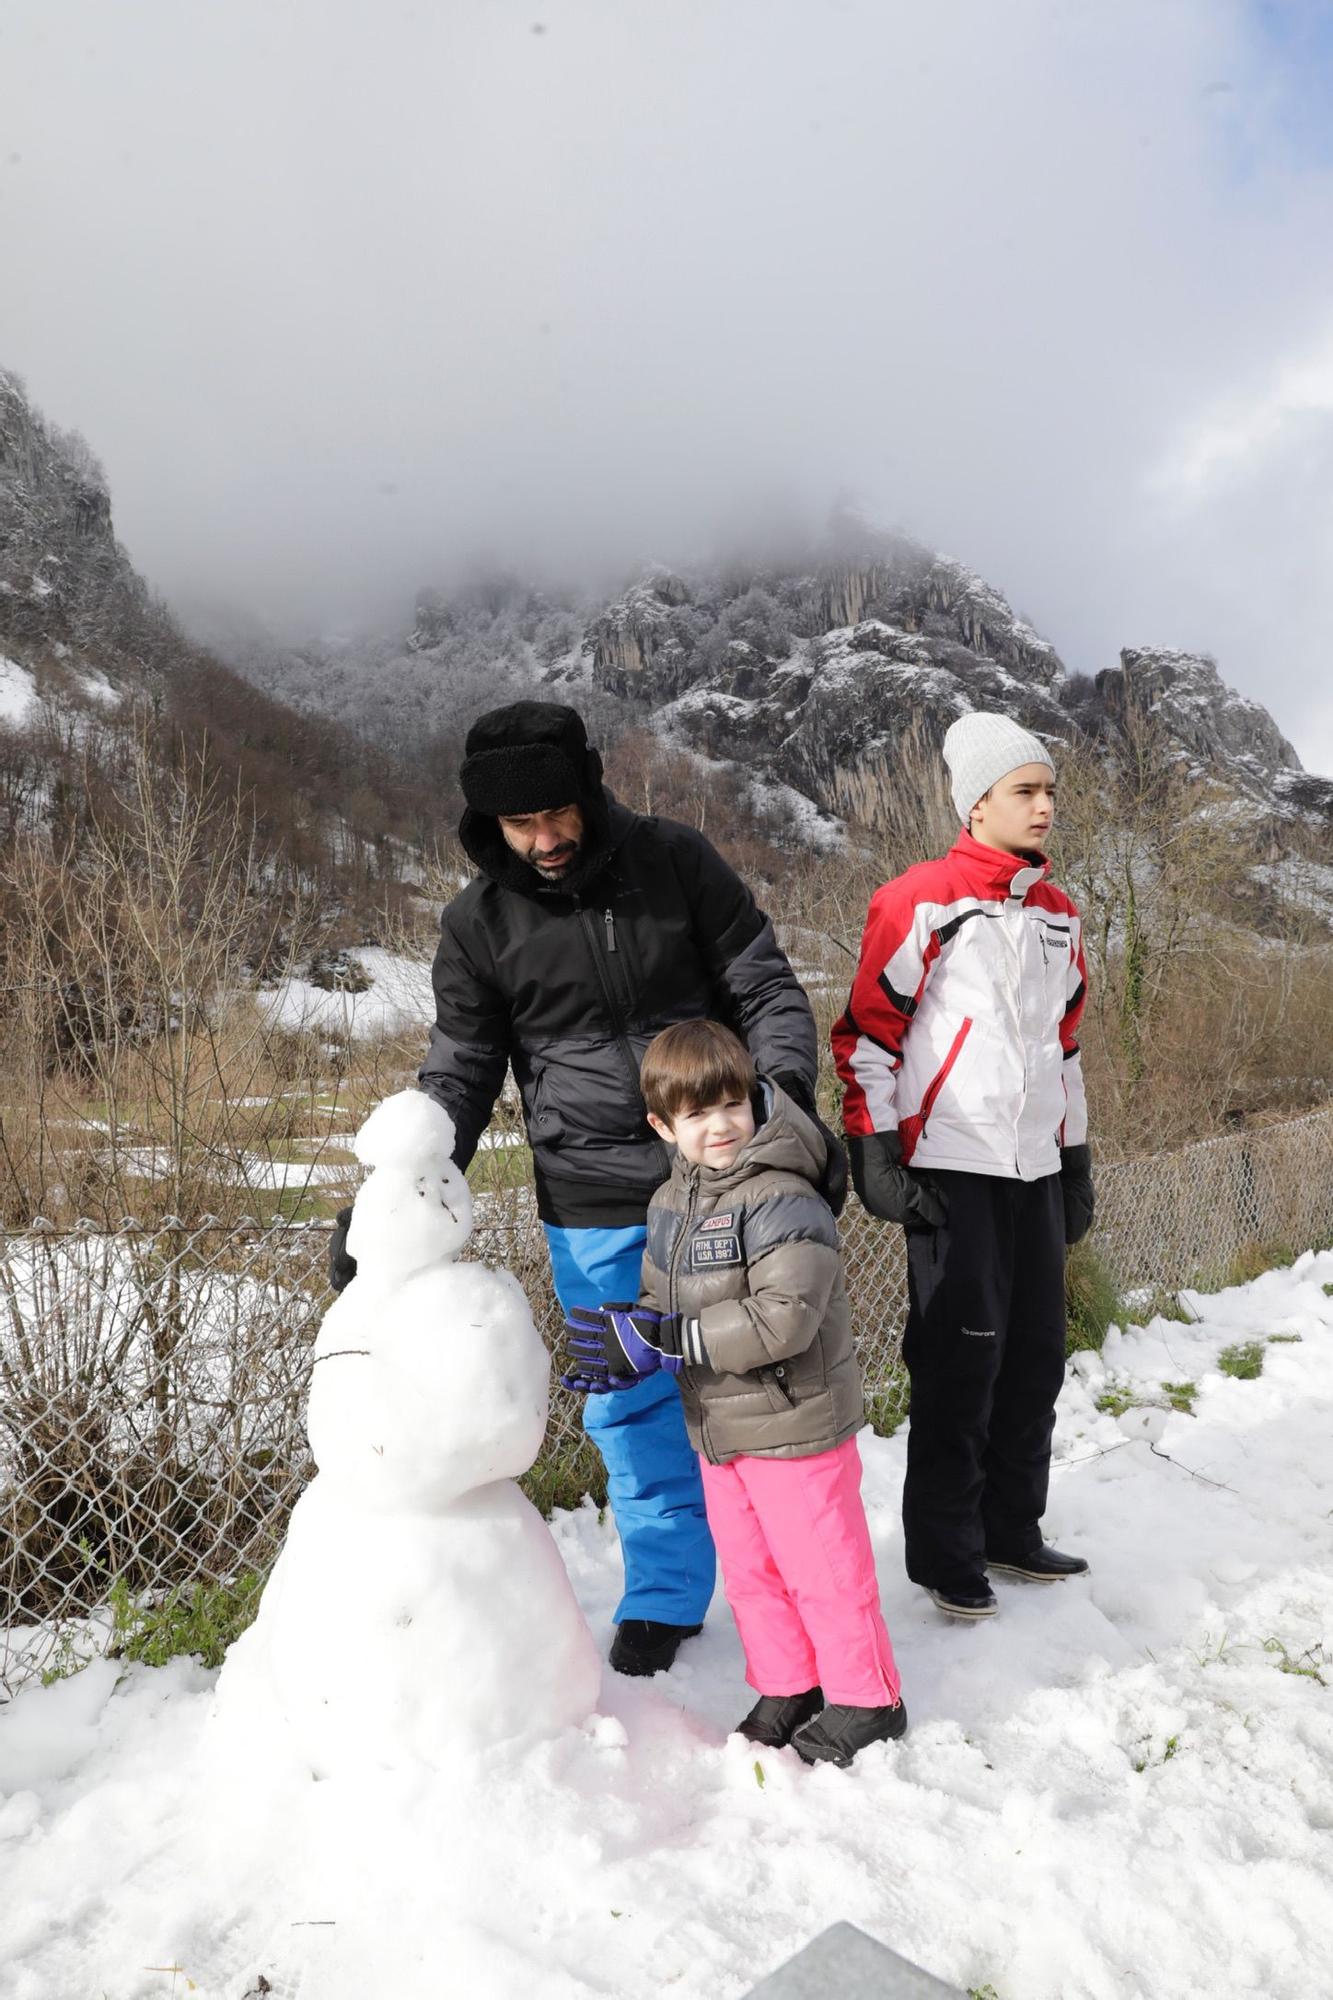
{"points": [[985, 1348]]}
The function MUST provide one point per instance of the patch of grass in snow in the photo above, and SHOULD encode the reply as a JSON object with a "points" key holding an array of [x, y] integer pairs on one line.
{"points": [[202, 1620], [1306, 1664], [69, 1655], [982, 1993], [1092, 1300], [1212, 1652], [1328, 1291], [1243, 1360], [1118, 1397], [886, 1403], [1169, 1751], [1284, 1339]]}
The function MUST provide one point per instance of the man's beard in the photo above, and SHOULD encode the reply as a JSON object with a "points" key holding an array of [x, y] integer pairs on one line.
{"points": [[567, 859], [555, 867]]}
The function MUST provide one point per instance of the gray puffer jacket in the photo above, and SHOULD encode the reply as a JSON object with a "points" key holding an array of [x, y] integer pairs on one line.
{"points": [[751, 1251]]}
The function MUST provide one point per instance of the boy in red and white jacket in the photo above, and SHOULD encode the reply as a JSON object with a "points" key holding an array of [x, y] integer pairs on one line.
{"points": [[966, 1122]]}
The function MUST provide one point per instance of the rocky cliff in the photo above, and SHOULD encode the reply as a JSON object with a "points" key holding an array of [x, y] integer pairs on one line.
{"points": [[823, 678], [69, 596], [91, 665]]}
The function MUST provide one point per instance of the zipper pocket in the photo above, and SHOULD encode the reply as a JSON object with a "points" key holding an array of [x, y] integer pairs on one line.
{"points": [[941, 1076]]}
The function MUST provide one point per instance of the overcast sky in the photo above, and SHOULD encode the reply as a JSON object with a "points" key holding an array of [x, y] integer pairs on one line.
{"points": [[346, 292]]}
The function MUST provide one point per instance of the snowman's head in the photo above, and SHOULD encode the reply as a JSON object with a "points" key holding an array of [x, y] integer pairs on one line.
{"points": [[415, 1209]]}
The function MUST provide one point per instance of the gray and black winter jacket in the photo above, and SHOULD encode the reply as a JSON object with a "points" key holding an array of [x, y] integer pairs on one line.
{"points": [[751, 1252], [570, 982]]}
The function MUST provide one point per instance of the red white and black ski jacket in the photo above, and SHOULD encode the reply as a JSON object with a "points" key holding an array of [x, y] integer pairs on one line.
{"points": [[961, 1032]]}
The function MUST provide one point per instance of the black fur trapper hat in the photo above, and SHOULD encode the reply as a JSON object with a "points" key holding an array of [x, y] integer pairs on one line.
{"points": [[530, 756]]}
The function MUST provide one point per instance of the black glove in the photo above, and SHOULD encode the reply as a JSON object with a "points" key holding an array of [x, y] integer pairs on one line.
{"points": [[342, 1265], [1076, 1187], [888, 1188], [833, 1180]]}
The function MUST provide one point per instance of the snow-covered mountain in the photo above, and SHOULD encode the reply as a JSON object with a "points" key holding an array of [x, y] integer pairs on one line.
{"points": [[819, 674], [821, 678]]}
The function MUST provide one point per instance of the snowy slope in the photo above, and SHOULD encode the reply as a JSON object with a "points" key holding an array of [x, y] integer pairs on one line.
{"points": [[398, 997], [1119, 1788], [18, 690]]}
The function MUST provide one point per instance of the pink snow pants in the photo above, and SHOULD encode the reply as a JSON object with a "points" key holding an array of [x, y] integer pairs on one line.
{"points": [[799, 1575]]}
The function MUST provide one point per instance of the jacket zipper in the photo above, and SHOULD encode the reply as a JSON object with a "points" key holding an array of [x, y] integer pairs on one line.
{"points": [[588, 925], [1015, 937], [673, 1268]]}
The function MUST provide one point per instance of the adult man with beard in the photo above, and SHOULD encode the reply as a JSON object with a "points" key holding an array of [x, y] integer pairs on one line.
{"points": [[587, 929]]}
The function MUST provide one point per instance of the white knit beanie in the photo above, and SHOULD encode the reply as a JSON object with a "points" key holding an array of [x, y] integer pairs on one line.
{"points": [[982, 748]]}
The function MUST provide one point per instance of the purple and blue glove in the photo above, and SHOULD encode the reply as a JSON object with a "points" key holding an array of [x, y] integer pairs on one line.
{"points": [[614, 1346]]}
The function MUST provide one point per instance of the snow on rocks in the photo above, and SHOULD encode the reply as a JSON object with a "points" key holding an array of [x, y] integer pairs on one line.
{"points": [[1119, 1789], [428, 1398]]}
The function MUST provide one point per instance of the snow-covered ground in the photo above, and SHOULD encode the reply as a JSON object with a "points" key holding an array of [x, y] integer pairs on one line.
{"points": [[399, 996], [1120, 1787]]}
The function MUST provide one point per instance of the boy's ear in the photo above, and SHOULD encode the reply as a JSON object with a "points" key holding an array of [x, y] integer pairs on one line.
{"points": [[661, 1127]]}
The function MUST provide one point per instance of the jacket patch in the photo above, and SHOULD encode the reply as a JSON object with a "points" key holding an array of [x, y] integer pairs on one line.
{"points": [[708, 1251], [727, 1221]]}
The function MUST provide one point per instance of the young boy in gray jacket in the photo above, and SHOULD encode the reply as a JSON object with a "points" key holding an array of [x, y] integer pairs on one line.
{"points": [[743, 1299]]}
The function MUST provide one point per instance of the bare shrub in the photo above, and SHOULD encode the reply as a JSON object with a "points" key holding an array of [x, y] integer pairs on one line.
{"points": [[139, 1074]]}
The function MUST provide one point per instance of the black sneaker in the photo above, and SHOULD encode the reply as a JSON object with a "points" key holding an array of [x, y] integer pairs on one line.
{"points": [[775, 1718], [964, 1604], [1043, 1565], [646, 1646], [835, 1736]]}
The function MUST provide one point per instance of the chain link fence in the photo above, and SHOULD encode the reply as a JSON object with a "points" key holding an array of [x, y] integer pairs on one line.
{"points": [[153, 1380]]}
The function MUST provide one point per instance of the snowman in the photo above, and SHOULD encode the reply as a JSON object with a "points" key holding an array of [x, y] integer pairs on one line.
{"points": [[419, 1607]]}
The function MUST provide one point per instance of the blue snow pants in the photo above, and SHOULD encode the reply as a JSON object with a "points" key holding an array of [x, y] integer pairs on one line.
{"points": [[652, 1473]]}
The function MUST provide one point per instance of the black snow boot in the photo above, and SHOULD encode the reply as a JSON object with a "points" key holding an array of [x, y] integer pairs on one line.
{"points": [[979, 1603], [645, 1646], [835, 1736], [1042, 1565], [775, 1718]]}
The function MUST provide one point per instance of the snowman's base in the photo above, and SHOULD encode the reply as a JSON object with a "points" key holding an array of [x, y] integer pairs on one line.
{"points": [[412, 1639]]}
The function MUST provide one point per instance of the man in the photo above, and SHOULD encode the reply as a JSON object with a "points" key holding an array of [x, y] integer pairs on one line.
{"points": [[967, 1123], [587, 929]]}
